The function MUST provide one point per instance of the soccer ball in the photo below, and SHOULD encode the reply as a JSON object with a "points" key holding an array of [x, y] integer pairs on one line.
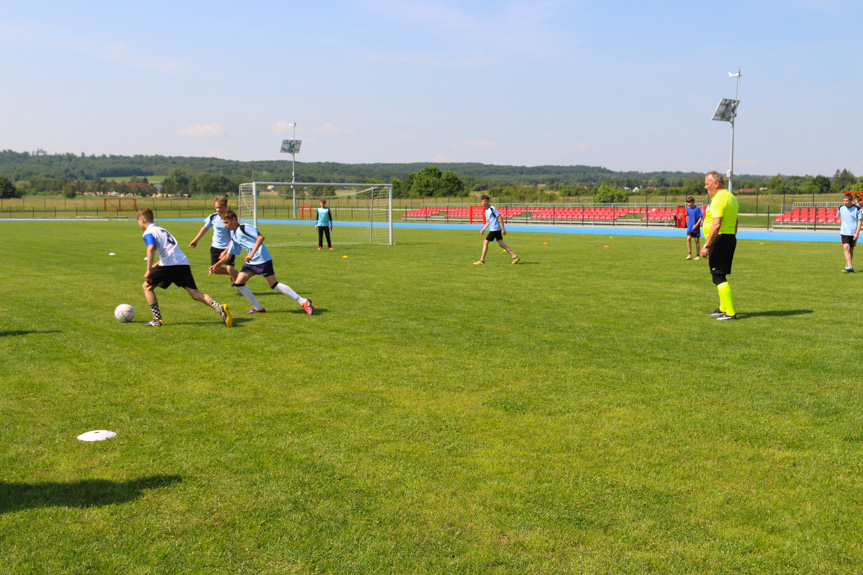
{"points": [[124, 313]]}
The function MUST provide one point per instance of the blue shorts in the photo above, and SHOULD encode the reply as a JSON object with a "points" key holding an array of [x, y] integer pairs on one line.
{"points": [[265, 269]]}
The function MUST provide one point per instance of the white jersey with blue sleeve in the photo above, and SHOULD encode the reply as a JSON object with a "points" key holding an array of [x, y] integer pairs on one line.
{"points": [[244, 238], [492, 216], [166, 246], [221, 234]]}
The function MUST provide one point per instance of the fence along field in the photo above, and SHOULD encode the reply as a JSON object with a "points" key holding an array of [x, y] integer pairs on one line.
{"points": [[281, 207]]}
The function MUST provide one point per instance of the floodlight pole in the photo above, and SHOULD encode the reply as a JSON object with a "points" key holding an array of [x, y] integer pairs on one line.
{"points": [[293, 170], [292, 147], [731, 169]]}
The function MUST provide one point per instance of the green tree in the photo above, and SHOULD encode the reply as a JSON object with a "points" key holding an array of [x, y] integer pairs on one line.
{"points": [[7, 190], [429, 182], [694, 187], [451, 185], [843, 181], [177, 182], [607, 194], [822, 184], [69, 191]]}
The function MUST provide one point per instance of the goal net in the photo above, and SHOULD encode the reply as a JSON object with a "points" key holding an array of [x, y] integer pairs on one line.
{"points": [[286, 213]]}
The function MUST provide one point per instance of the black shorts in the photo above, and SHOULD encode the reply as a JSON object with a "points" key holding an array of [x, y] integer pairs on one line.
{"points": [[216, 253], [848, 240], [722, 254], [498, 235], [693, 234], [265, 269], [164, 276]]}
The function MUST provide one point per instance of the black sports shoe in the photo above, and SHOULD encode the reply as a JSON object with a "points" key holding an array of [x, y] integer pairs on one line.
{"points": [[725, 316], [717, 312]]}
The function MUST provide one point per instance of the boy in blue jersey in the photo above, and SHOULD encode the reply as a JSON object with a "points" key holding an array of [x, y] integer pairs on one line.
{"points": [[324, 225], [496, 231], [694, 217], [850, 216], [221, 238], [258, 262], [172, 268]]}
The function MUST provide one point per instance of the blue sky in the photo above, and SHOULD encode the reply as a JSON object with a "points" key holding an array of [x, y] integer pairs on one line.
{"points": [[619, 84]]}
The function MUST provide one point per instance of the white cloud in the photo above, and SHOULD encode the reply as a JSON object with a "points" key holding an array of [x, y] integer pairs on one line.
{"points": [[480, 143], [282, 127], [583, 147], [440, 158], [202, 131], [409, 137], [328, 128]]}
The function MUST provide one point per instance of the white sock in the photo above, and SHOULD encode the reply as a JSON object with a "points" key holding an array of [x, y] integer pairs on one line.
{"points": [[247, 293], [282, 288]]}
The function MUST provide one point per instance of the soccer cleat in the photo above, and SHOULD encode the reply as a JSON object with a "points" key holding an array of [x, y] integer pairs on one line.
{"points": [[479, 263], [689, 257], [319, 249], [697, 257], [225, 312], [253, 310], [308, 306], [154, 323], [717, 312], [848, 270], [725, 316], [515, 260], [331, 247]]}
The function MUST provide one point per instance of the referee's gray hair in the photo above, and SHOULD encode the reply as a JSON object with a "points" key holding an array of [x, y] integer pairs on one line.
{"points": [[717, 177]]}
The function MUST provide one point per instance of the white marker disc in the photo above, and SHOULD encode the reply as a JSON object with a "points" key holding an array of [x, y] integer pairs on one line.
{"points": [[97, 435]]}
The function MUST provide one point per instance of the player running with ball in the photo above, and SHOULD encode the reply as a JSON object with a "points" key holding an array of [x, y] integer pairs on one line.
{"points": [[172, 268], [258, 262]]}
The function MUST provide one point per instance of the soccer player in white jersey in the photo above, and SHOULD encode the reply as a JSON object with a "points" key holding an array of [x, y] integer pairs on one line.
{"points": [[258, 262], [172, 268], [221, 238], [496, 231]]}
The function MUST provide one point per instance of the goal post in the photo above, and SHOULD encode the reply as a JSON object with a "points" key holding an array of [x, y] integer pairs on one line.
{"points": [[120, 204], [362, 213]]}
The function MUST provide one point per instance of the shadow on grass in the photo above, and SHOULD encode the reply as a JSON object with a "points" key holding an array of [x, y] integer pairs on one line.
{"points": [[775, 313], [85, 493], [10, 333]]}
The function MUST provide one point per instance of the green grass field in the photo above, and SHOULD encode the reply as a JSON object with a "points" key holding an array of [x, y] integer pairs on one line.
{"points": [[575, 413]]}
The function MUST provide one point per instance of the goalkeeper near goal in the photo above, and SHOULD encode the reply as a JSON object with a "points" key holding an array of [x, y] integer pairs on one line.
{"points": [[324, 224]]}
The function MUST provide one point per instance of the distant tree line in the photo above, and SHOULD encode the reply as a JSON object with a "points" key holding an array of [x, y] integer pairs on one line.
{"points": [[28, 173]]}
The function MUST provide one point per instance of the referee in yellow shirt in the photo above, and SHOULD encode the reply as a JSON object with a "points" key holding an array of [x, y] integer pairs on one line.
{"points": [[720, 231]]}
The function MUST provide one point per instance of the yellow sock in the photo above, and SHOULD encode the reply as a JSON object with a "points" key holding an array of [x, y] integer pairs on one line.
{"points": [[725, 302]]}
